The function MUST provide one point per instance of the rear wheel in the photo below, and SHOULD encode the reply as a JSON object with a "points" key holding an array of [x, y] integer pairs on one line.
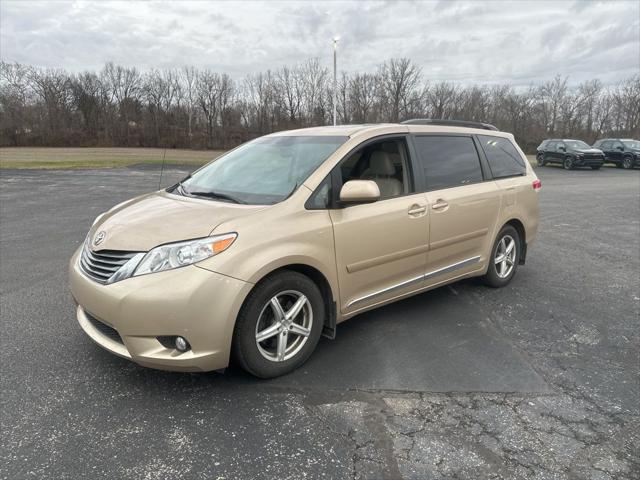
{"points": [[568, 163], [627, 163], [279, 325], [504, 258]]}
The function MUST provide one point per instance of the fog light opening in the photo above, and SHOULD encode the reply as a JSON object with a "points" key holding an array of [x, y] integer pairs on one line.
{"points": [[181, 344]]}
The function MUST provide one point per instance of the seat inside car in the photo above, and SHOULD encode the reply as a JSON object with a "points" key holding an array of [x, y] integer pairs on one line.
{"points": [[382, 171]]}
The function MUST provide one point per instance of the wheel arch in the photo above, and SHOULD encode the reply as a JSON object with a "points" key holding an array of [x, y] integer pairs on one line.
{"points": [[522, 233], [317, 277]]}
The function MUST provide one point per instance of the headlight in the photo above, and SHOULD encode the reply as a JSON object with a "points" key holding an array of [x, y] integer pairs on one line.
{"points": [[181, 254]]}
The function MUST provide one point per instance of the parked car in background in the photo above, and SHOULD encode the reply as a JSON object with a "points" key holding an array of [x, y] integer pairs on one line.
{"points": [[540, 150], [570, 154], [623, 152], [256, 255]]}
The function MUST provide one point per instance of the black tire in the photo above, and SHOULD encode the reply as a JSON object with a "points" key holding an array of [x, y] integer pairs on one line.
{"points": [[567, 163], [595, 167], [627, 163], [492, 278], [541, 162], [245, 350]]}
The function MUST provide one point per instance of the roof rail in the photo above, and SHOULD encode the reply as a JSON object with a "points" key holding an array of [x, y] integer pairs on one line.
{"points": [[449, 123]]}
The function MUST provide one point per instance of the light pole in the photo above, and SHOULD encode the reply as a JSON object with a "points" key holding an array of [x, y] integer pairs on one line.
{"points": [[335, 79]]}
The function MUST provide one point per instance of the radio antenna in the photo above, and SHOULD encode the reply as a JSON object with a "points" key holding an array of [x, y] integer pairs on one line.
{"points": [[164, 153]]}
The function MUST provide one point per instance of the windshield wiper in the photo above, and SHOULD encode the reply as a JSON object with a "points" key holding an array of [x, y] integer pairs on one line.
{"points": [[221, 196], [178, 187]]}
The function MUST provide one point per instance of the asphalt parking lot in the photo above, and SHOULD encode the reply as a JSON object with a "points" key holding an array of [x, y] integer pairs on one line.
{"points": [[536, 380]]}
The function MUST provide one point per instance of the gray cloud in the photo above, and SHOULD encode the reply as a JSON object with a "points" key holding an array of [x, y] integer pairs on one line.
{"points": [[484, 42]]}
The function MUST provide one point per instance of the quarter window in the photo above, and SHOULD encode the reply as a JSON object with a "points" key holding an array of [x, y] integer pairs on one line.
{"points": [[504, 160], [321, 197], [448, 161]]}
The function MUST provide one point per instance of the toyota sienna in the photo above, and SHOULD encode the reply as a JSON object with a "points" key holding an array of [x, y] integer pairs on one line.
{"points": [[257, 254]]}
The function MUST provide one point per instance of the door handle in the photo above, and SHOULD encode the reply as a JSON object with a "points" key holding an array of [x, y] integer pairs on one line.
{"points": [[416, 209], [440, 204]]}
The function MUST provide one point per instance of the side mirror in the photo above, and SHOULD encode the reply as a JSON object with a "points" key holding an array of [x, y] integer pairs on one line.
{"points": [[620, 147], [359, 191], [564, 149]]}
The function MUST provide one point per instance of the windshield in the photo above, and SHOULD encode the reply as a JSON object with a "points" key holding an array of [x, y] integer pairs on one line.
{"points": [[576, 144], [632, 144], [264, 171]]}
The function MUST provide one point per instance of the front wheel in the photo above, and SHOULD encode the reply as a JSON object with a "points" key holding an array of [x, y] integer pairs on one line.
{"points": [[627, 163], [541, 161], [504, 258], [279, 325], [568, 163]]}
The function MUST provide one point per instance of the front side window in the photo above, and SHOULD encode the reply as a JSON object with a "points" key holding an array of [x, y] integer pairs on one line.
{"points": [[504, 160], [384, 162], [448, 161], [264, 171]]}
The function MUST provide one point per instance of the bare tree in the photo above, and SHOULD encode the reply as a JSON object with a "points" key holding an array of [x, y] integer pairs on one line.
{"points": [[362, 94], [399, 79], [188, 80], [206, 109], [290, 92], [441, 99]]}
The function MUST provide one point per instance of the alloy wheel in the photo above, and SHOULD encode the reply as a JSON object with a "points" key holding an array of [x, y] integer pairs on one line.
{"points": [[284, 326], [568, 163], [627, 163], [505, 256]]}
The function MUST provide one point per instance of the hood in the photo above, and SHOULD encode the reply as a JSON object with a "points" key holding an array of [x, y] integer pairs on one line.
{"points": [[158, 218], [587, 150]]}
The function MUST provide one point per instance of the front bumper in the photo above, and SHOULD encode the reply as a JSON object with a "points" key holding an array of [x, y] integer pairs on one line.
{"points": [[192, 302], [588, 162]]}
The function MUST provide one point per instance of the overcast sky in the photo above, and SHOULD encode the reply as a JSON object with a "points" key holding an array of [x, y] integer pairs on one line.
{"points": [[469, 42]]}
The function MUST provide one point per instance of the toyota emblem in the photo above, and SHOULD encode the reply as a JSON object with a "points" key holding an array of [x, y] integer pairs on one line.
{"points": [[99, 238]]}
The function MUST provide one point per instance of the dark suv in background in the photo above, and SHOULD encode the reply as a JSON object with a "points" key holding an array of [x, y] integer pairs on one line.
{"points": [[623, 152], [570, 154]]}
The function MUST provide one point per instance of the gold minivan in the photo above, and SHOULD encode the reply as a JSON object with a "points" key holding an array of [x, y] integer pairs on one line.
{"points": [[257, 254]]}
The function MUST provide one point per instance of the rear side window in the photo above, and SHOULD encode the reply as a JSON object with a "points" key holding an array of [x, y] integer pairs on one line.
{"points": [[448, 161], [504, 160]]}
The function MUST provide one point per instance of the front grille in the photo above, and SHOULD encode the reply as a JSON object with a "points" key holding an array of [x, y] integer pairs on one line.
{"points": [[104, 329], [101, 265]]}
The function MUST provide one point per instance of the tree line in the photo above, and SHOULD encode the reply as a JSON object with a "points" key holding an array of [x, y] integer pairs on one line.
{"points": [[200, 108]]}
